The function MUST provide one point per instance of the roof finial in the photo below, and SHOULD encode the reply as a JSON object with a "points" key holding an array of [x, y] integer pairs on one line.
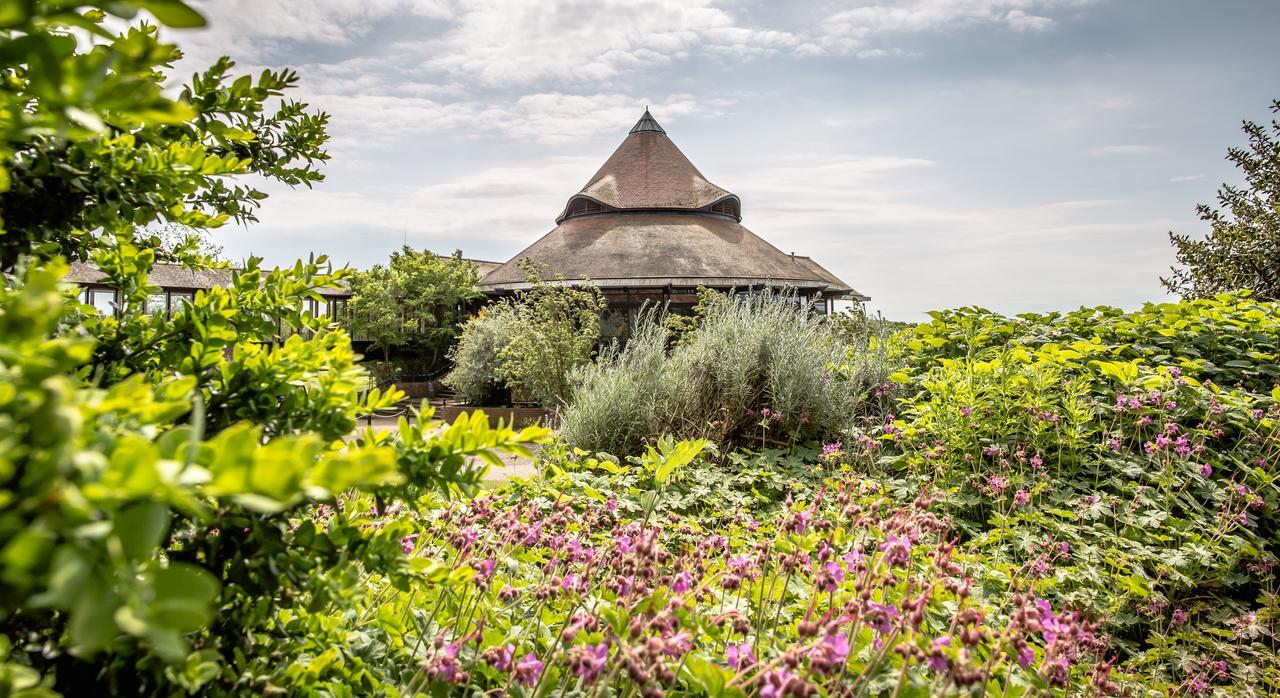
{"points": [[647, 124]]}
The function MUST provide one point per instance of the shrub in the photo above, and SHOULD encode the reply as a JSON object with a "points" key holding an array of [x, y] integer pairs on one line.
{"points": [[477, 356], [755, 369], [1096, 456], [529, 344], [556, 330]]}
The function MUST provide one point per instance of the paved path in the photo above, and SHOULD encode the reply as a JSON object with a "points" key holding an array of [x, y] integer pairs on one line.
{"points": [[512, 466]]}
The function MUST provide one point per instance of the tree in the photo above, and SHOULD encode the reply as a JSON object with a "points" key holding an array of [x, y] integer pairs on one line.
{"points": [[416, 303], [1242, 249]]}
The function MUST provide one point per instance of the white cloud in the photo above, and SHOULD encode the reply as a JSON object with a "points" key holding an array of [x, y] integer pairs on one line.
{"points": [[508, 42], [852, 30], [1103, 151], [376, 120], [1186, 178]]}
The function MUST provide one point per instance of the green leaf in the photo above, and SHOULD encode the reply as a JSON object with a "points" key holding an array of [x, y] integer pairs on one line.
{"points": [[140, 528], [173, 13]]}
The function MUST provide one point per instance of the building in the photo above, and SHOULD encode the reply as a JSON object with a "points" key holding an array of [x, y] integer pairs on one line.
{"points": [[179, 284], [649, 227]]}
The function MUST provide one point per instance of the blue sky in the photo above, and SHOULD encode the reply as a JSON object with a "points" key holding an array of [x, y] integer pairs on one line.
{"points": [[1015, 154]]}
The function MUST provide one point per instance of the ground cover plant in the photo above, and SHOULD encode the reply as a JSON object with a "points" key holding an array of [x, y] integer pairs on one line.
{"points": [[1123, 463]]}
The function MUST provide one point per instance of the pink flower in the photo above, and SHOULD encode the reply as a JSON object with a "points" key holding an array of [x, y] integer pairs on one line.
{"points": [[740, 656], [501, 658], [896, 550], [588, 661], [528, 670], [776, 683], [1206, 470], [1020, 498]]}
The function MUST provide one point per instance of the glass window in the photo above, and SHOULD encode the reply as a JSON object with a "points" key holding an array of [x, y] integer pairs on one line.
{"points": [[178, 299], [157, 303], [104, 299]]}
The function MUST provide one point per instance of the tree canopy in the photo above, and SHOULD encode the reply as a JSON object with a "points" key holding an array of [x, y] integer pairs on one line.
{"points": [[415, 303], [1242, 248]]}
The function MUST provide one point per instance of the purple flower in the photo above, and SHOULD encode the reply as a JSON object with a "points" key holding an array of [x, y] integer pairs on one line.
{"points": [[1179, 616], [588, 661], [937, 660], [682, 583], [528, 670], [1206, 470], [831, 577], [407, 544], [501, 658], [896, 550], [830, 654], [1036, 461], [775, 684], [881, 617], [740, 656], [1026, 657], [1020, 498]]}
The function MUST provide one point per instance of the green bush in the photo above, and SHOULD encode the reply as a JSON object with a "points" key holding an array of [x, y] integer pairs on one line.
{"points": [[528, 344], [477, 356], [760, 369], [1119, 462]]}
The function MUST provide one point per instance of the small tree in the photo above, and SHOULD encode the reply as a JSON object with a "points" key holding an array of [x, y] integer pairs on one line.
{"points": [[1242, 249], [416, 303]]}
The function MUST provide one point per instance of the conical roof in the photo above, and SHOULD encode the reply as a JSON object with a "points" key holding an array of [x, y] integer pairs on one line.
{"points": [[649, 219], [648, 171]]}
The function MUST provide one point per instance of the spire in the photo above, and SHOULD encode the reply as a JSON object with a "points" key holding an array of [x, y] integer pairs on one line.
{"points": [[647, 123]]}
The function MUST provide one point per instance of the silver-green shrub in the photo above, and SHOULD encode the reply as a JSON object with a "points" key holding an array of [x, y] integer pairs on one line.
{"points": [[758, 370], [477, 355]]}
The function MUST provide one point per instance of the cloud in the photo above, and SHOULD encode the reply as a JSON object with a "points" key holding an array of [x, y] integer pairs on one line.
{"points": [[1103, 151], [852, 30], [1186, 178], [509, 42], [373, 119]]}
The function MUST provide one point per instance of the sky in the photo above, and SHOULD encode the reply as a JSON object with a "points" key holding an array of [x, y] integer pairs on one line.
{"points": [[1019, 155]]}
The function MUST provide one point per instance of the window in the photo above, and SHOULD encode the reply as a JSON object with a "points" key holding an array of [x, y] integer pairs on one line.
{"points": [[104, 299], [338, 309], [728, 207], [582, 207], [177, 299], [157, 303]]}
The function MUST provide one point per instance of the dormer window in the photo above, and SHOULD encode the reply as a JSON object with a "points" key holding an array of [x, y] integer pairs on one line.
{"points": [[728, 207]]}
